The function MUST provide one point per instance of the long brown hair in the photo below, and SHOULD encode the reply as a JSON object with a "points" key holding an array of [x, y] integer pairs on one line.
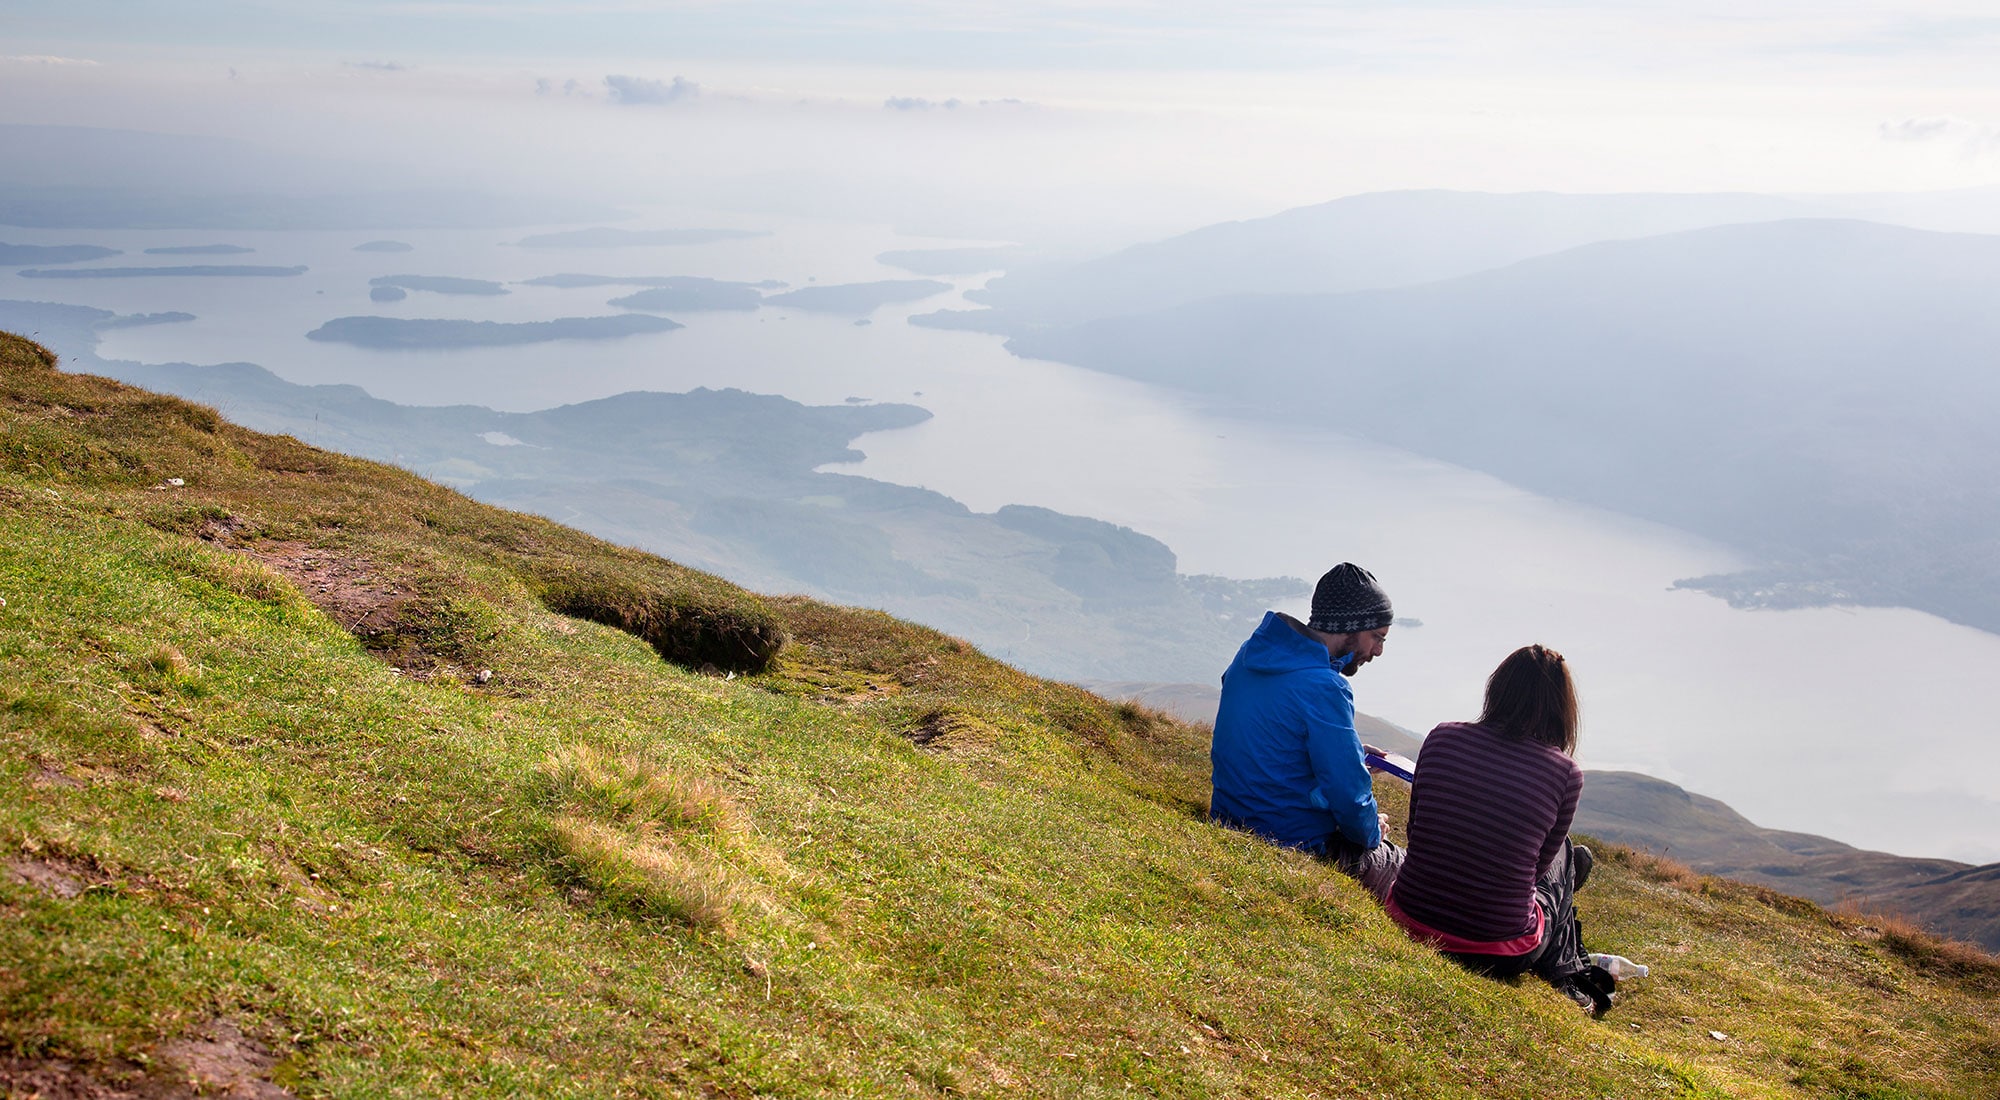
{"points": [[1530, 697]]}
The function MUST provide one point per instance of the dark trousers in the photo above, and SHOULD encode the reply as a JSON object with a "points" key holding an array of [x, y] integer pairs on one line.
{"points": [[1375, 868], [1560, 954]]}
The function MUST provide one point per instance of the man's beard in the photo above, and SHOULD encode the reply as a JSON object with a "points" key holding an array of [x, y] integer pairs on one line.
{"points": [[1352, 666]]}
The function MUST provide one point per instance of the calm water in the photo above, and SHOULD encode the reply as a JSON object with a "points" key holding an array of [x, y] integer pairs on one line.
{"points": [[1872, 726]]}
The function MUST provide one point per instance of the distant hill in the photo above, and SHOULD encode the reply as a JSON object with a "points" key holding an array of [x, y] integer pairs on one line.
{"points": [[1945, 896], [318, 779], [1384, 239], [1817, 393]]}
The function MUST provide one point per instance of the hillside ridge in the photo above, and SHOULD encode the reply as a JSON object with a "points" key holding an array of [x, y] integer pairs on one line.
{"points": [[553, 817]]}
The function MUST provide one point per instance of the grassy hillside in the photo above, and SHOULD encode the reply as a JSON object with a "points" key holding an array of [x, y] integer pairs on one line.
{"points": [[319, 779]]}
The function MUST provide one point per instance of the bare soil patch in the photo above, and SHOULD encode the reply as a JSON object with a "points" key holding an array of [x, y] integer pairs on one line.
{"points": [[220, 1061], [352, 591], [375, 604], [54, 1079], [58, 878], [46, 777], [929, 728]]}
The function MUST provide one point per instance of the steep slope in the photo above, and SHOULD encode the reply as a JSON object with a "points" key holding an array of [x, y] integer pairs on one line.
{"points": [[1818, 393], [311, 785]]}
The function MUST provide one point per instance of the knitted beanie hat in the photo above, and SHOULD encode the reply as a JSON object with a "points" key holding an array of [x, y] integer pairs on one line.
{"points": [[1348, 601]]}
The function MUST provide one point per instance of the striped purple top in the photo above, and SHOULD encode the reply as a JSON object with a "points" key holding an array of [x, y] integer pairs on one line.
{"points": [[1488, 814]]}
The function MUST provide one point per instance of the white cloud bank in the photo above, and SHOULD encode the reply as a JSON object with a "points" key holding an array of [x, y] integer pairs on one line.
{"points": [[640, 91]]}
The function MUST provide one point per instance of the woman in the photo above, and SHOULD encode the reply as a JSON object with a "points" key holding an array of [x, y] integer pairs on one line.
{"points": [[1490, 869]]}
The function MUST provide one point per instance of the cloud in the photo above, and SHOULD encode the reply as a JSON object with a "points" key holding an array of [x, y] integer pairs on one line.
{"points": [[637, 90], [919, 103], [378, 66], [1921, 129], [49, 59], [1975, 139]]}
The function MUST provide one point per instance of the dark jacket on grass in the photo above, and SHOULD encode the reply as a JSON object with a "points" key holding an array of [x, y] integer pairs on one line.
{"points": [[1287, 760]]}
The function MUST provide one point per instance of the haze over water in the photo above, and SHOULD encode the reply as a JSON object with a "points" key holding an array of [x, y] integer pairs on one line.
{"points": [[1818, 720]]}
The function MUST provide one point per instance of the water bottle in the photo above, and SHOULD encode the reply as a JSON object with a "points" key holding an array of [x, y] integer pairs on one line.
{"points": [[1618, 966]]}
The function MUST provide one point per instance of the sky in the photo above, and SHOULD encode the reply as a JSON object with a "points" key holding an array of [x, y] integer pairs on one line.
{"points": [[1134, 117]]}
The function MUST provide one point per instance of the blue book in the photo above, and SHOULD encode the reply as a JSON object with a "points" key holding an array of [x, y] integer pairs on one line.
{"points": [[1392, 763]]}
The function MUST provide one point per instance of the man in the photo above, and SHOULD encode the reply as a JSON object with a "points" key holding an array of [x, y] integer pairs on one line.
{"points": [[1288, 763]]}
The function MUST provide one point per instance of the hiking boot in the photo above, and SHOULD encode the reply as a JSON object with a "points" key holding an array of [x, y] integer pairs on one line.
{"points": [[1576, 992], [1580, 863], [1588, 997]]}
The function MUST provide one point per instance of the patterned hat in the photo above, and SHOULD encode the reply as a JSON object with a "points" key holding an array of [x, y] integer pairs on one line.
{"points": [[1348, 601]]}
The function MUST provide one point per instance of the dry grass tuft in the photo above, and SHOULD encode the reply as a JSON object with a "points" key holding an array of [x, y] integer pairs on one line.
{"points": [[1652, 868], [162, 668], [637, 794], [645, 840], [1963, 963], [654, 875], [19, 354], [233, 573]]}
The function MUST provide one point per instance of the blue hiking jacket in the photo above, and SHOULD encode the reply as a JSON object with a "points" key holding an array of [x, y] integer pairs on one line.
{"points": [[1288, 764]]}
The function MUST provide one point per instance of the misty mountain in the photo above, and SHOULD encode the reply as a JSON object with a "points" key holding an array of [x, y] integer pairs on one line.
{"points": [[1818, 393], [1951, 898], [1385, 239]]}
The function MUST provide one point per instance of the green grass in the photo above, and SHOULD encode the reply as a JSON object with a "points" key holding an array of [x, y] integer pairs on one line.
{"points": [[872, 862]]}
